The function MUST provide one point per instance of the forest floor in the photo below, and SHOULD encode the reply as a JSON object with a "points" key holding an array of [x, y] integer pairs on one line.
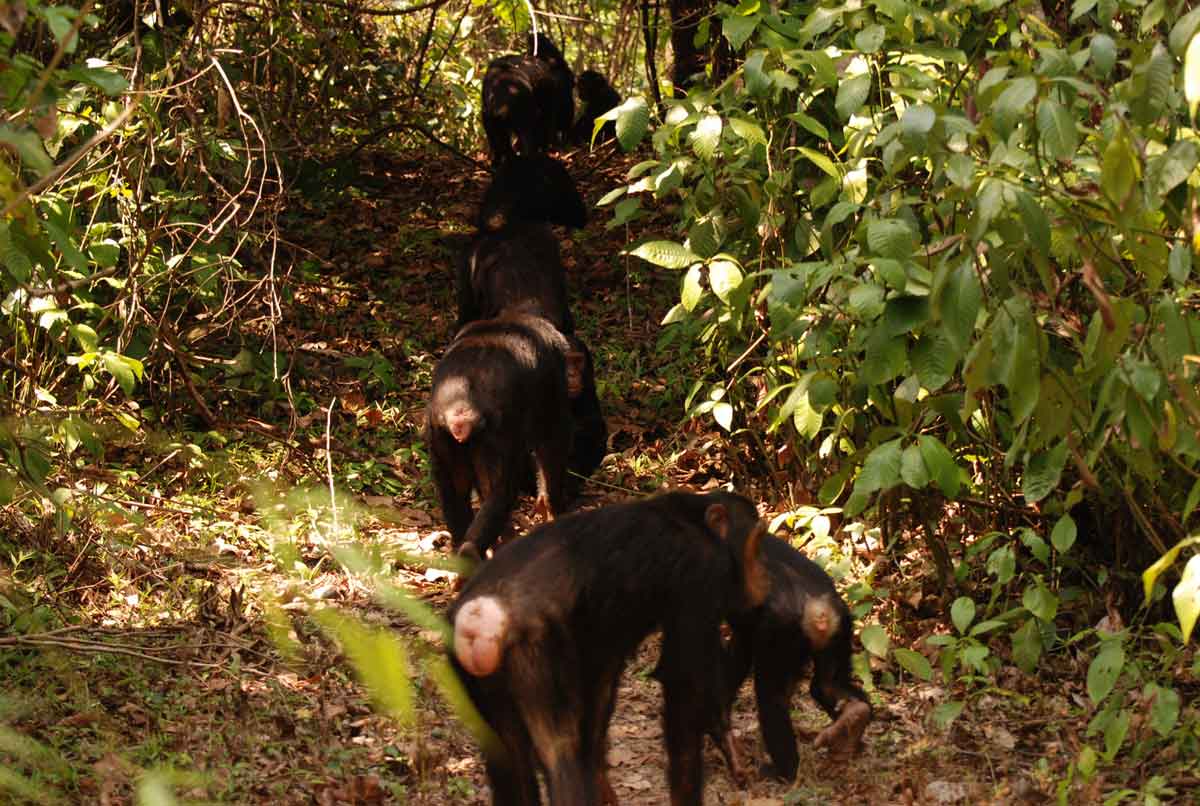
{"points": [[169, 665]]}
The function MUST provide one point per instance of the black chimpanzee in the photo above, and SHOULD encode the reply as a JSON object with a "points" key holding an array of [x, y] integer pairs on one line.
{"points": [[597, 97], [528, 98], [543, 631], [499, 393], [589, 434], [518, 267], [531, 188], [803, 618]]}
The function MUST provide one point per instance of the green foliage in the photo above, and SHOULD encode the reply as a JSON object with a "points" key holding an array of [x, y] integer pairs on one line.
{"points": [[964, 255]]}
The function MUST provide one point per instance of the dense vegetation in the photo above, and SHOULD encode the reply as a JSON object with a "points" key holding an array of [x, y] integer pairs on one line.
{"points": [[937, 304]]}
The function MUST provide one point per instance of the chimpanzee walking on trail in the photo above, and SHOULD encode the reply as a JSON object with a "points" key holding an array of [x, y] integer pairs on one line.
{"points": [[499, 393], [528, 99], [543, 631], [803, 618]]}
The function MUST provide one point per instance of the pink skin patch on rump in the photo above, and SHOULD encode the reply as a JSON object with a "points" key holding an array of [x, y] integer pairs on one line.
{"points": [[479, 630]]}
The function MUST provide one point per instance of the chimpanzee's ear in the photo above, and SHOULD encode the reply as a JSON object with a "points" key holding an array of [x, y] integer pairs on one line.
{"points": [[716, 518], [755, 579]]}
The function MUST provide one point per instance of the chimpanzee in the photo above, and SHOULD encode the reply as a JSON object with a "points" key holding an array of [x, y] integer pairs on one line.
{"points": [[598, 97], [531, 188], [803, 617], [528, 98], [543, 631], [589, 434], [499, 393], [518, 267]]}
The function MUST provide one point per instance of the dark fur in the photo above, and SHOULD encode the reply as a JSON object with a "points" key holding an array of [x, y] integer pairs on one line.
{"points": [[510, 372], [536, 188], [580, 594], [528, 99], [780, 639], [597, 97]]}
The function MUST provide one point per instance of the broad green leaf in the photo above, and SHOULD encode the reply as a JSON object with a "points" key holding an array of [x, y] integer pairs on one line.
{"points": [[912, 468], [1104, 670], [748, 130], [1057, 127], [1164, 708], [28, 146], [723, 414], [1027, 646], [890, 237], [707, 136], [1186, 597], [1120, 170], [1103, 52], [959, 304], [962, 613], [119, 369], [633, 121], [1037, 547], [917, 121], [1182, 32], [1063, 534], [934, 359], [960, 169], [1042, 473], [875, 640], [1179, 265], [693, 288], [667, 254], [852, 94], [737, 29], [1002, 564], [1013, 104], [1114, 734], [107, 81], [1037, 225], [946, 713], [914, 662], [724, 276], [378, 657], [1174, 167], [940, 462], [881, 470], [1040, 601], [821, 161], [869, 39]]}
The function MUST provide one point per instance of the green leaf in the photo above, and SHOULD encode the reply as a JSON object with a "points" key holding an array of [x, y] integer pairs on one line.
{"points": [[917, 121], [725, 277], [1057, 127], [723, 414], [1040, 601], [912, 468], [890, 237], [1179, 264], [1027, 646], [1103, 53], [962, 613], [1002, 564], [378, 657], [1037, 547], [1186, 597], [959, 303], [960, 169], [119, 369], [748, 130], [881, 470], [707, 136], [1062, 537], [693, 288], [1037, 225], [1042, 473], [1114, 734], [870, 39], [852, 94], [1104, 670], [875, 640], [946, 713], [1171, 169], [633, 121], [1013, 103], [737, 29], [1164, 708], [941, 464], [914, 662], [934, 359], [821, 161], [1120, 170], [109, 82], [28, 146], [666, 254]]}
